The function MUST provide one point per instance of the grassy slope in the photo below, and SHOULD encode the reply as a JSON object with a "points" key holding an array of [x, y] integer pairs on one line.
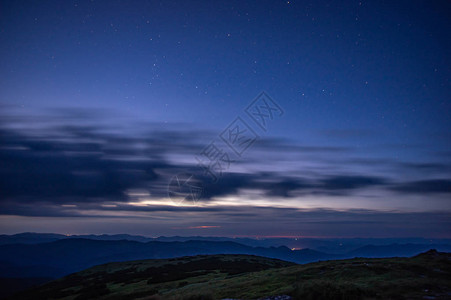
{"points": [[252, 277]]}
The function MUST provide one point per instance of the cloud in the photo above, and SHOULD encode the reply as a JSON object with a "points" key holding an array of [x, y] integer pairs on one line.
{"points": [[268, 143], [348, 133], [424, 187], [426, 167], [78, 158], [42, 168], [248, 221], [276, 184], [351, 182]]}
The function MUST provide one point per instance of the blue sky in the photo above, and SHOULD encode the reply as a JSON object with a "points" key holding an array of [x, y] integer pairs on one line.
{"points": [[103, 102]]}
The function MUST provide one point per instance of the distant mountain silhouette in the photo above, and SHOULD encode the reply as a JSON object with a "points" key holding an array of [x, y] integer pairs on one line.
{"points": [[65, 256], [327, 245], [69, 255], [30, 238], [403, 250]]}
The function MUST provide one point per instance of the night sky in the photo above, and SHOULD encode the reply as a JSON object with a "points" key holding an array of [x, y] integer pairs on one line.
{"points": [[102, 103]]}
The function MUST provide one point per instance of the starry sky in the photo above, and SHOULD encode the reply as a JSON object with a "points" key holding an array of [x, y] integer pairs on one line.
{"points": [[104, 103]]}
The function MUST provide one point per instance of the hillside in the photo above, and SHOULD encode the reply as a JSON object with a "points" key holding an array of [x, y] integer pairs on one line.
{"points": [[50, 259], [425, 276]]}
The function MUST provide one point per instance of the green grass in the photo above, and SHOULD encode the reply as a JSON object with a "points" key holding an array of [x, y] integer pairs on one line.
{"points": [[252, 277]]}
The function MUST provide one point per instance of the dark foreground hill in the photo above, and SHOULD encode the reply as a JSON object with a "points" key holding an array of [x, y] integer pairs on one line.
{"points": [[425, 276]]}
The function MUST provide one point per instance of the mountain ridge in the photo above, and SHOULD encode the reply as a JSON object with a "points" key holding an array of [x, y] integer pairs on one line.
{"points": [[83, 253], [424, 276]]}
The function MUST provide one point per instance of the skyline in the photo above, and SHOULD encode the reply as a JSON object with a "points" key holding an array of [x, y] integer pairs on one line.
{"points": [[102, 104]]}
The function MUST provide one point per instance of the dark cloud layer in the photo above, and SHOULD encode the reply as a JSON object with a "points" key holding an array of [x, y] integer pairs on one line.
{"points": [[424, 187], [46, 168], [92, 163]]}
